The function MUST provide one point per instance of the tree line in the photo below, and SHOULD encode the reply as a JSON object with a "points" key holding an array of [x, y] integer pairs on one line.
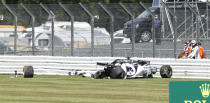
{"points": [[41, 16], [72, 1]]}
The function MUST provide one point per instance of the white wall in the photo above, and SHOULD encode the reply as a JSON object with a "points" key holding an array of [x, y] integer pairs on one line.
{"points": [[48, 65]]}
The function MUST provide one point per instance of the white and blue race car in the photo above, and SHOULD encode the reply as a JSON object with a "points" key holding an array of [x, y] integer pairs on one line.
{"points": [[128, 68]]}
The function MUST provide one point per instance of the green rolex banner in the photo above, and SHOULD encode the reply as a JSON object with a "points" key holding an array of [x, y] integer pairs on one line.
{"points": [[189, 92]]}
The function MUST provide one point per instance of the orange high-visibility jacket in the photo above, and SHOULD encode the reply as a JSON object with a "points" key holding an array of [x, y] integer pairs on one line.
{"points": [[201, 52], [186, 51]]}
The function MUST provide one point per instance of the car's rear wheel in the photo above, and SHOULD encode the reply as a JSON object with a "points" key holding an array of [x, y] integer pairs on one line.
{"points": [[146, 36], [117, 73], [166, 71], [123, 75]]}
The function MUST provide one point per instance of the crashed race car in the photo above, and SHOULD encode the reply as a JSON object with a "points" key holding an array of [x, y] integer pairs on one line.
{"points": [[128, 68]]}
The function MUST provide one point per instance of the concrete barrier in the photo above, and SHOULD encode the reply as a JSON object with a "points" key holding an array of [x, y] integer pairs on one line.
{"points": [[48, 65]]}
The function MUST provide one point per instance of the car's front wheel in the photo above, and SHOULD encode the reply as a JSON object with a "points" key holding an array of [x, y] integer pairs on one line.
{"points": [[166, 71], [146, 36]]}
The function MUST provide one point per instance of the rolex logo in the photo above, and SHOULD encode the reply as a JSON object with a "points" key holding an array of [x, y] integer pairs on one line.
{"points": [[205, 90]]}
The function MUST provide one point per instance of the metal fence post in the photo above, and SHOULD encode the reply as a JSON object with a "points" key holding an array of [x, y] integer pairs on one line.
{"points": [[207, 14], [185, 23], [111, 27], [92, 27], [72, 27], [175, 36], [15, 23], [192, 20], [33, 21], [175, 28], [132, 28], [207, 19], [153, 34], [52, 26]]}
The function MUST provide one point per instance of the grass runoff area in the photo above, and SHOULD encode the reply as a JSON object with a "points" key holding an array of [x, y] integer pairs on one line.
{"points": [[75, 89]]}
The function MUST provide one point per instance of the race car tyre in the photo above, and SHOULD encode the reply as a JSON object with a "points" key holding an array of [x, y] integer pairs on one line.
{"points": [[99, 74], [166, 71], [28, 72], [123, 75], [117, 73]]}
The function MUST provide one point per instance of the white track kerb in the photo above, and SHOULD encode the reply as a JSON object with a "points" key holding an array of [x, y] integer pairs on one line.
{"points": [[56, 65]]}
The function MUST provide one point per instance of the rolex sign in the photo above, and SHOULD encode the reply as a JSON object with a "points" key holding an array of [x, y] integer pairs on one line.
{"points": [[189, 92]]}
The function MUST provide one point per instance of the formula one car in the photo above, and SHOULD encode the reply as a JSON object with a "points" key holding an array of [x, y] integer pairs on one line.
{"points": [[128, 68]]}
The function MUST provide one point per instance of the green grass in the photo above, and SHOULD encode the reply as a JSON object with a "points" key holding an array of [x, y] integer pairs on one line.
{"points": [[73, 89]]}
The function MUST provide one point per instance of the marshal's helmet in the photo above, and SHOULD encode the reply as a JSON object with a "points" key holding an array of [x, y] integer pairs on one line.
{"points": [[199, 43], [193, 42], [186, 44]]}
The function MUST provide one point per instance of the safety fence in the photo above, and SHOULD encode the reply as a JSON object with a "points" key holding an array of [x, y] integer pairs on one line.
{"points": [[56, 65], [101, 29]]}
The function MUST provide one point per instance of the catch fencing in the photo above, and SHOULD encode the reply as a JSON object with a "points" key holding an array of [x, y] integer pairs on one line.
{"points": [[57, 65], [96, 29]]}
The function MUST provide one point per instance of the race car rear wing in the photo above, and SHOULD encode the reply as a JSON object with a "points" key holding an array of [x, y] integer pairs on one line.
{"points": [[102, 64]]}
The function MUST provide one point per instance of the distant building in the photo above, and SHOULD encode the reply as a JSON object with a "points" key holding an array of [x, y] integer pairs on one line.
{"points": [[8, 30], [62, 35]]}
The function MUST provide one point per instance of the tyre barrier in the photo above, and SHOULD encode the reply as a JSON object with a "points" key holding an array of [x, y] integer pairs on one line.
{"points": [[28, 72]]}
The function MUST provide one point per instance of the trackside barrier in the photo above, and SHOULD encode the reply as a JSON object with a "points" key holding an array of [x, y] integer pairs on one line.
{"points": [[48, 65]]}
